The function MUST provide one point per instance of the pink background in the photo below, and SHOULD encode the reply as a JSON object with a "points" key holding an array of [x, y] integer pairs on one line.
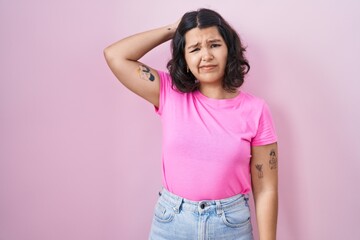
{"points": [[80, 155]]}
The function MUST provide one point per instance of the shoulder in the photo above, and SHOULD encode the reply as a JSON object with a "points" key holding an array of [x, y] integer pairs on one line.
{"points": [[165, 79], [164, 75], [167, 83], [252, 101]]}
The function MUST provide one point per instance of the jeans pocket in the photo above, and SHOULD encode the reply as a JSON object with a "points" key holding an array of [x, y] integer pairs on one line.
{"points": [[163, 213], [236, 216]]}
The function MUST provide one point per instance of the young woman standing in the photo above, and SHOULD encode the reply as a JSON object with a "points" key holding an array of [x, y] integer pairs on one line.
{"points": [[219, 143]]}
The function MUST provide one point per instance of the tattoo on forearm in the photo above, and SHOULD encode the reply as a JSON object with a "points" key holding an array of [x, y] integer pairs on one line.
{"points": [[273, 162], [145, 73], [260, 171]]}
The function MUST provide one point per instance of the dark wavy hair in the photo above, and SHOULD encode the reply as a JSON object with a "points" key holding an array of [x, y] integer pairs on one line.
{"points": [[236, 67]]}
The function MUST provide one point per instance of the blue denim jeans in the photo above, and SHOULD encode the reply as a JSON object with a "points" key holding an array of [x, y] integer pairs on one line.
{"points": [[176, 218]]}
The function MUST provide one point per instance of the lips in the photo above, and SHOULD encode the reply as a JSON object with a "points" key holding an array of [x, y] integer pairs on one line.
{"points": [[207, 67]]}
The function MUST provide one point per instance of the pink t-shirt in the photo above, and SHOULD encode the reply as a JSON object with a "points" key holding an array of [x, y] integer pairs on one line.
{"points": [[207, 142]]}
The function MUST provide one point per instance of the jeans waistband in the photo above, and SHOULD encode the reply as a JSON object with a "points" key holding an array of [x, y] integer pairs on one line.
{"points": [[177, 202]]}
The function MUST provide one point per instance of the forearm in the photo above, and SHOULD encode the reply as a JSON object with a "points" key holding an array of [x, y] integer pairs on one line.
{"points": [[134, 47], [266, 204]]}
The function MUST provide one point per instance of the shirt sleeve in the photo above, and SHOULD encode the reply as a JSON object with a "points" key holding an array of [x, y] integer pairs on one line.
{"points": [[165, 86], [266, 133]]}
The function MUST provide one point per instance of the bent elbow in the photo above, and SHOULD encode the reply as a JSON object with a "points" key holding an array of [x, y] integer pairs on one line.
{"points": [[108, 54]]}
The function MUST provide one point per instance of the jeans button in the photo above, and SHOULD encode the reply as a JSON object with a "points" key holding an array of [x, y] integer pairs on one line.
{"points": [[202, 205]]}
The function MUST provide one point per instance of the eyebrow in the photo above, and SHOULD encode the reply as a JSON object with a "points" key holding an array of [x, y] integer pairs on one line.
{"points": [[214, 40], [208, 41], [192, 46]]}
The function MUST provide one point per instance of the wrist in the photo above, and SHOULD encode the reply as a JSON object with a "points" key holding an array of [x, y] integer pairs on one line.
{"points": [[171, 29]]}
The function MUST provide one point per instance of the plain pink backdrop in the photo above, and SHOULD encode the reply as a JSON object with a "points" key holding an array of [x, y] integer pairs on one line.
{"points": [[80, 155]]}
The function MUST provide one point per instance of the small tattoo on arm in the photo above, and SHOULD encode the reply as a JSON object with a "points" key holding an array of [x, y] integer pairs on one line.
{"points": [[273, 160], [260, 171], [145, 73]]}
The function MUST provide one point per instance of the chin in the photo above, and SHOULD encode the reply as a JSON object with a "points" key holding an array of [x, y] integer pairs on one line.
{"points": [[210, 79]]}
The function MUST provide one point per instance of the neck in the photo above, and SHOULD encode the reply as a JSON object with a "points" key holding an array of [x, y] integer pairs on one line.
{"points": [[217, 92]]}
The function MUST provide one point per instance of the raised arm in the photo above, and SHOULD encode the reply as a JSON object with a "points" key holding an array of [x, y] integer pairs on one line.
{"points": [[122, 58], [264, 174]]}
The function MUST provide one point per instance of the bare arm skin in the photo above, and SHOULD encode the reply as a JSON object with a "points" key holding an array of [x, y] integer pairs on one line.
{"points": [[122, 58], [264, 175]]}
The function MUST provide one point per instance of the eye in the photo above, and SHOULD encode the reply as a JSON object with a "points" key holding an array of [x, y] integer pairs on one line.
{"points": [[194, 50], [215, 45]]}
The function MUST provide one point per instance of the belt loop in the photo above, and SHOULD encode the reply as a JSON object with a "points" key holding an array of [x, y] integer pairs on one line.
{"points": [[219, 209], [178, 203], [246, 198]]}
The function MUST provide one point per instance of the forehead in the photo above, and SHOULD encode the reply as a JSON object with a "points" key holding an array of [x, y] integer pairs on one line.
{"points": [[197, 35]]}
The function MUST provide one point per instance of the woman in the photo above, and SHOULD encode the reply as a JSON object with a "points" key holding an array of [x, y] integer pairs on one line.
{"points": [[219, 142]]}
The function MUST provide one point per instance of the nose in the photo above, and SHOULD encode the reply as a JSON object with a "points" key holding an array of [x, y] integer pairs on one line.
{"points": [[206, 55]]}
